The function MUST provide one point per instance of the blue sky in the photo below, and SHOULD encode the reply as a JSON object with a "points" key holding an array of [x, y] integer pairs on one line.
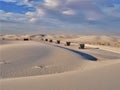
{"points": [[60, 16]]}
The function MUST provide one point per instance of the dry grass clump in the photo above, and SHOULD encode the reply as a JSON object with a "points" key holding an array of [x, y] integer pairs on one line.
{"points": [[113, 44]]}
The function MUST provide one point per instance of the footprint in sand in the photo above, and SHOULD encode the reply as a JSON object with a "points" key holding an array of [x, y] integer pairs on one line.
{"points": [[3, 62], [39, 67]]}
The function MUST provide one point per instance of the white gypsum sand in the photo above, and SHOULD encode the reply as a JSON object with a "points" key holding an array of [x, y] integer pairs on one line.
{"points": [[37, 65]]}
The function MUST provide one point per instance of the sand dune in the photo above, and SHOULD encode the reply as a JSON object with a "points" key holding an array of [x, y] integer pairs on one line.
{"points": [[104, 78], [33, 58], [91, 38], [39, 65]]}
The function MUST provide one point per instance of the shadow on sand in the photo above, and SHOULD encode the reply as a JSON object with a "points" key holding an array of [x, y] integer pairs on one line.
{"points": [[84, 55]]}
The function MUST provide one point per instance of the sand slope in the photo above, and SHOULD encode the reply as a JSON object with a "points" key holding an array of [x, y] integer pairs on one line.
{"points": [[41, 66], [104, 78], [20, 59]]}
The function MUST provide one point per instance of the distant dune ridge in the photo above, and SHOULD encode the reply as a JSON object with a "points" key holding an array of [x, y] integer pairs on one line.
{"points": [[37, 64], [88, 39]]}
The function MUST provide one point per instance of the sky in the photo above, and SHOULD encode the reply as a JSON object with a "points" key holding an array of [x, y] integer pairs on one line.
{"points": [[60, 16]]}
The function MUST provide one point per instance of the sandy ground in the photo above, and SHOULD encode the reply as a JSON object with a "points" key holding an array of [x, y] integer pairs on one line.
{"points": [[39, 65]]}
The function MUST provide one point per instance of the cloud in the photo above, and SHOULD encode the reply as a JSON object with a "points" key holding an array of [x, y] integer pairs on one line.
{"points": [[33, 20], [80, 10], [63, 13], [51, 3], [12, 17], [8, 0], [35, 16], [38, 13], [69, 12]]}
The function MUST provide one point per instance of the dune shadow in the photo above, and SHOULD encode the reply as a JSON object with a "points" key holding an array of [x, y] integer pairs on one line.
{"points": [[91, 48], [84, 55]]}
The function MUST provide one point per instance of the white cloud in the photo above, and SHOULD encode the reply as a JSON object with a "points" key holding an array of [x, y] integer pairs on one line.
{"points": [[33, 20], [27, 2], [59, 12], [40, 12], [35, 16], [37, 13], [51, 3], [12, 17], [19, 2], [29, 14], [9, 0], [54, 8], [69, 12]]}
